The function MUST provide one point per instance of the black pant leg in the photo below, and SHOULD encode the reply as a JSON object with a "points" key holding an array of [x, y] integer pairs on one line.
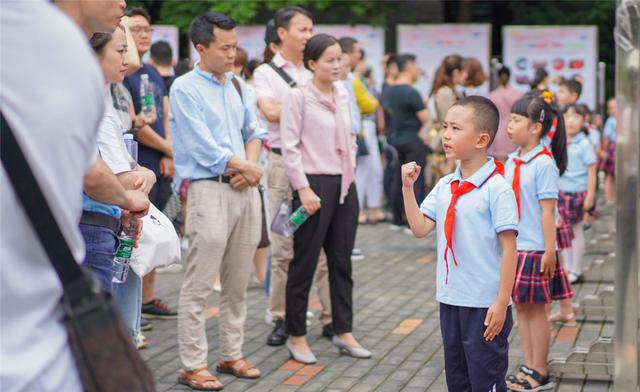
{"points": [[307, 243], [338, 246], [417, 152], [398, 203]]}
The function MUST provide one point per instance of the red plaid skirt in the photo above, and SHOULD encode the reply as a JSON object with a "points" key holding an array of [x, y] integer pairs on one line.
{"points": [[532, 287], [564, 236], [570, 206], [608, 164]]}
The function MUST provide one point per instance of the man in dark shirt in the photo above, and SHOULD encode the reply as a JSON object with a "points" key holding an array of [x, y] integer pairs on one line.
{"points": [[155, 151], [408, 115], [161, 57]]}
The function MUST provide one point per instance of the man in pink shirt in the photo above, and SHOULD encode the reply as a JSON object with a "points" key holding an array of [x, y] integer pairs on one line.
{"points": [[272, 82], [503, 97]]}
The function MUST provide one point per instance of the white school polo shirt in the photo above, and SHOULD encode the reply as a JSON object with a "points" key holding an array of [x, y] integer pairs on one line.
{"points": [[580, 156], [538, 181], [481, 215]]}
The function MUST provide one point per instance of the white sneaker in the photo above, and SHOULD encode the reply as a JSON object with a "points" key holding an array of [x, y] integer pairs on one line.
{"points": [[184, 244], [268, 318], [356, 255], [408, 231], [393, 227]]}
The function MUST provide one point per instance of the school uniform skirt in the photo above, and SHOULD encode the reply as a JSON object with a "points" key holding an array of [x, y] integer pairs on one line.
{"points": [[608, 164], [571, 206], [533, 287], [564, 232]]}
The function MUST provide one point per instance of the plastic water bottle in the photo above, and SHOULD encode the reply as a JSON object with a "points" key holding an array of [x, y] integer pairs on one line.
{"points": [[148, 102], [286, 225], [131, 145], [122, 261]]}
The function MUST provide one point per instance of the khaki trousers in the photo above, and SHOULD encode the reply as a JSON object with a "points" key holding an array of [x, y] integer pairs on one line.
{"points": [[223, 227], [282, 249]]}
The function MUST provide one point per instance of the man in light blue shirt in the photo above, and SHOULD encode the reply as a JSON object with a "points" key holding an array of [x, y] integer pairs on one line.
{"points": [[216, 145]]}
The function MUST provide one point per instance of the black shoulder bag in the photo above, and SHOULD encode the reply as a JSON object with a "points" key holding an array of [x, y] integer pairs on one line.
{"points": [[101, 343]]}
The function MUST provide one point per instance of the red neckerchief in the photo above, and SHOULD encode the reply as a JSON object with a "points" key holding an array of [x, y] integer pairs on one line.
{"points": [[515, 184], [456, 192]]}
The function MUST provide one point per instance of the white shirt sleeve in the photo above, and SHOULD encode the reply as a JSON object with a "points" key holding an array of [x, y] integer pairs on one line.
{"points": [[111, 144]]}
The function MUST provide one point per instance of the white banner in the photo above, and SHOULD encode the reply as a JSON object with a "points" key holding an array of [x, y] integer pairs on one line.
{"points": [[433, 42], [563, 51]]}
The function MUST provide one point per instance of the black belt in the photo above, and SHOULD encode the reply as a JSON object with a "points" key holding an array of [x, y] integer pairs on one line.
{"points": [[277, 151], [102, 220], [224, 179]]}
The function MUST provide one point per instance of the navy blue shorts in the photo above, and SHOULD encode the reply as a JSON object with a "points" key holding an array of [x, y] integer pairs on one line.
{"points": [[471, 363]]}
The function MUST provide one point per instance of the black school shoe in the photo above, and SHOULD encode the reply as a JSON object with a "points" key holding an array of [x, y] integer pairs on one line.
{"points": [[157, 309], [278, 336], [327, 331]]}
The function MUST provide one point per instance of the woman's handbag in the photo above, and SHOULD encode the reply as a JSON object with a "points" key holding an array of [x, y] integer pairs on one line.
{"points": [[101, 344], [363, 150]]}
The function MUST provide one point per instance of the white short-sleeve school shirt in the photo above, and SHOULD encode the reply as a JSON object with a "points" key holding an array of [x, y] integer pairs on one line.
{"points": [[538, 181], [55, 116], [580, 155], [481, 215]]}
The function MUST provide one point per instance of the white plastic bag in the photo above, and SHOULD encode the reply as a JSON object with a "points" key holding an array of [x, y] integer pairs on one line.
{"points": [[159, 245]]}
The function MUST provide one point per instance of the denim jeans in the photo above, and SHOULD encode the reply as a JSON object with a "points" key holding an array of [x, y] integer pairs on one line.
{"points": [[128, 298], [101, 245]]}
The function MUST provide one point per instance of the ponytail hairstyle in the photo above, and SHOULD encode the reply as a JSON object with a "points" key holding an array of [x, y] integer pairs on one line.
{"points": [[582, 110], [541, 109]]}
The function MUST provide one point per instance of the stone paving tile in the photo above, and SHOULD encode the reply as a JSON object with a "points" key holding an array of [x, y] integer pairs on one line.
{"points": [[396, 317]]}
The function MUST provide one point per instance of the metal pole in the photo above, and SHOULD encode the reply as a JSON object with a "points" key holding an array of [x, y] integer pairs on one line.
{"points": [[627, 275], [602, 88]]}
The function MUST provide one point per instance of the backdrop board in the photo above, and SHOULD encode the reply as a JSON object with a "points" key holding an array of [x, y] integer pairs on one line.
{"points": [[169, 34], [431, 43], [251, 39], [563, 51]]}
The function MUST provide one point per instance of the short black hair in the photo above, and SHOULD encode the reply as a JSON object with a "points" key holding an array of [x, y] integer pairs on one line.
{"points": [[392, 59], [283, 16], [161, 53], [347, 44], [316, 46], [201, 29], [572, 85], [403, 59], [504, 70], [138, 11], [486, 115]]}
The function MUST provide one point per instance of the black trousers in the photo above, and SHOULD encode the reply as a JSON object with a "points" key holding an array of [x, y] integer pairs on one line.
{"points": [[160, 192], [332, 228], [410, 152]]}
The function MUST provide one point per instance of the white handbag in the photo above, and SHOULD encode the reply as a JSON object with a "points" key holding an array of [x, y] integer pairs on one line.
{"points": [[158, 246]]}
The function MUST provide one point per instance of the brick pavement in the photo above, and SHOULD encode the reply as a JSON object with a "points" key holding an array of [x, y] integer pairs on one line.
{"points": [[396, 317]]}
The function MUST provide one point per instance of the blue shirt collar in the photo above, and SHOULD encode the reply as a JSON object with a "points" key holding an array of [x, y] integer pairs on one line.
{"points": [[479, 177], [528, 156], [210, 76], [578, 137]]}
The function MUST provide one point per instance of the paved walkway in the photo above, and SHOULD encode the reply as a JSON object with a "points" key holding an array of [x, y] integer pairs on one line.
{"points": [[396, 317]]}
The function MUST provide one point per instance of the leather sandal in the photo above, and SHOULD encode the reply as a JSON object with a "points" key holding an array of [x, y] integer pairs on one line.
{"points": [[239, 368], [198, 380], [544, 382], [514, 377]]}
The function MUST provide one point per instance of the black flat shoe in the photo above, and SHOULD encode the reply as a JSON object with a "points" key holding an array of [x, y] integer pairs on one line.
{"points": [[278, 336]]}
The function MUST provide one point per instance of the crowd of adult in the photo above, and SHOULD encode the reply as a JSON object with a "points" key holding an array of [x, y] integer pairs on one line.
{"points": [[239, 140]]}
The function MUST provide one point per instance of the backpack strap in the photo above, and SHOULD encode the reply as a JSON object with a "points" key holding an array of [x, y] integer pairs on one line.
{"points": [[283, 74], [236, 85]]}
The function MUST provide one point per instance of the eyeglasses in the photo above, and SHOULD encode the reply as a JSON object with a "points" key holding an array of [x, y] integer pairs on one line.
{"points": [[138, 30]]}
